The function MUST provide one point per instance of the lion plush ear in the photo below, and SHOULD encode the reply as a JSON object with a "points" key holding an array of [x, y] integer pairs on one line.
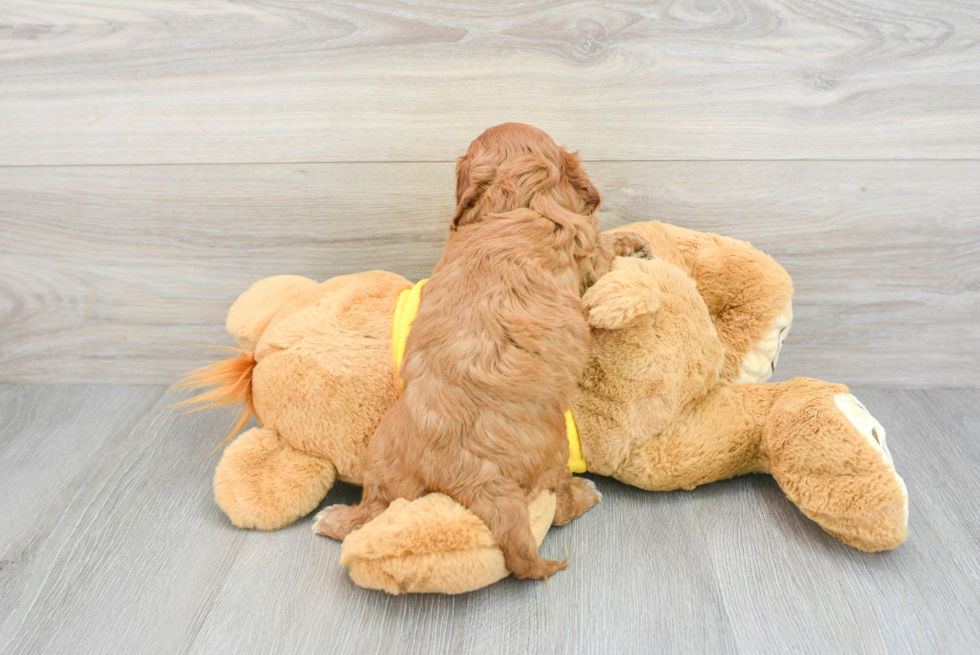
{"points": [[622, 296]]}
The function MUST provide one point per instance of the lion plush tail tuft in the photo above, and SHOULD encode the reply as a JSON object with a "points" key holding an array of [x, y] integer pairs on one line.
{"points": [[231, 384]]}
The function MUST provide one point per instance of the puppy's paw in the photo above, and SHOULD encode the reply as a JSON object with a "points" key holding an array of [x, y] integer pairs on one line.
{"points": [[336, 522], [575, 500], [630, 244], [541, 569], [592, 486], [621, 298]]}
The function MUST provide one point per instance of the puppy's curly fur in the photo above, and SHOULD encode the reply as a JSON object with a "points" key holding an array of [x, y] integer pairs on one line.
{"points": [[495, 351], [515, 165]]}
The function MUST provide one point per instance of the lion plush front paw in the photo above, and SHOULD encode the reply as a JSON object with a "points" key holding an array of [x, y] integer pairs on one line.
{"points": [[762, 356]]}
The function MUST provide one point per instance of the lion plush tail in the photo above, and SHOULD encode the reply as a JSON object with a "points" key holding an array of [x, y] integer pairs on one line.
{"points": [[231, 384]]}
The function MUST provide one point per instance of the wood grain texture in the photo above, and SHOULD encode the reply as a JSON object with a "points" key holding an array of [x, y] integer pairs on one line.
{"points": [[48, 434], [612, 600], [788, 583], [885, 258], [137, 271], [132, 555], [119, 274], [129, 555], [116, 82]]}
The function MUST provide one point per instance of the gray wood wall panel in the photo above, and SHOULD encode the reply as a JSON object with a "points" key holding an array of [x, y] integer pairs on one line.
{"points": [[116, 82], [131, 555], [885, 257], [119, 274]]}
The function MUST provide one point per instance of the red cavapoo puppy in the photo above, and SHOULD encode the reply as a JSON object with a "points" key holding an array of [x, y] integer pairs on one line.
{"points": [[496, 349]]}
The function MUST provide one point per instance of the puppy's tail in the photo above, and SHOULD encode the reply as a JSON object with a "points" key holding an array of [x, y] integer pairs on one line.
{"points": [[231, 384]]}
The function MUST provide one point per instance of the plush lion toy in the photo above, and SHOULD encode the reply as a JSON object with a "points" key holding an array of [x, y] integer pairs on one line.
{"points": [[674, 396]]}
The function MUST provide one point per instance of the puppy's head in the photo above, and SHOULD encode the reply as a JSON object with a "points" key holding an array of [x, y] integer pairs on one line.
{"points": [[513, 166]]}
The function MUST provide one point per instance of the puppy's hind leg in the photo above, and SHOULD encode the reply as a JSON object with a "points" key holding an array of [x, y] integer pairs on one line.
{"points": [[338, 521], [503, 507]]}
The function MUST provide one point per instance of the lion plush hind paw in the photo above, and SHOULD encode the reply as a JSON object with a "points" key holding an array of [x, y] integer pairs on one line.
{"points": [[432, 545]]}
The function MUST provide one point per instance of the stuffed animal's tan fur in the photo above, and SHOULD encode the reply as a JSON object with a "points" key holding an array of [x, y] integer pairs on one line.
{"points": [[659, 406]]}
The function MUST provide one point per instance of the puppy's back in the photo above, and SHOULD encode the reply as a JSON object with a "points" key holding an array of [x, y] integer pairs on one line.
{"points": [[502, 306]]}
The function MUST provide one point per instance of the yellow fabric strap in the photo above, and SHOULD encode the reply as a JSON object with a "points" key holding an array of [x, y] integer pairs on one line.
{"points": [[407, 307], [405, 310], [576, 463]]}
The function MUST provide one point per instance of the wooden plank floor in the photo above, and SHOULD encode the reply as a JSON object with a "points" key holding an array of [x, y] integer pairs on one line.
{"points": [[110, 543]]}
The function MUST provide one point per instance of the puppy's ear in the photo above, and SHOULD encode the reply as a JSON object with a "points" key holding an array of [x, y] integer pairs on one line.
{"points": [[621, 297], [583, 186], [468, 190], [462, 176]]}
